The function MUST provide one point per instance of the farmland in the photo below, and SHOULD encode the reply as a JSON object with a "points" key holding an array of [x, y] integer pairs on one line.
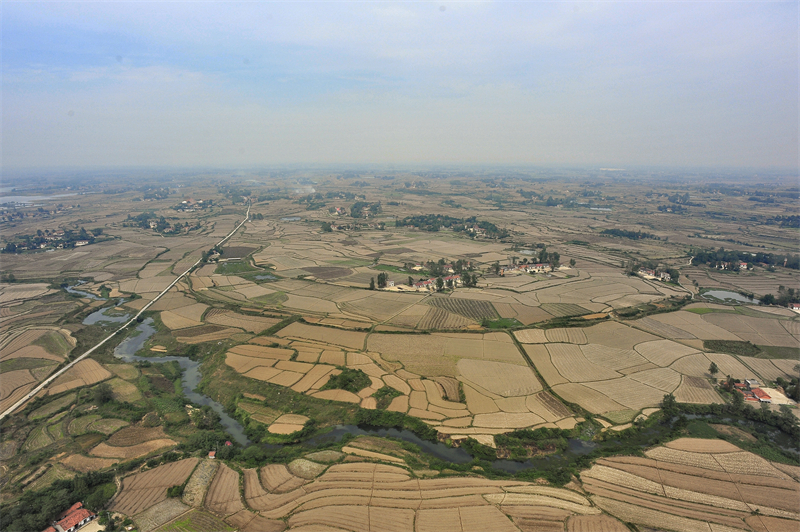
{"points": [[582, 347]]}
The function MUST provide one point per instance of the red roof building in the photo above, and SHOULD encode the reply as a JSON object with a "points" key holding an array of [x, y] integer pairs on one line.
{"points": [[761, 395], [72, 519]]}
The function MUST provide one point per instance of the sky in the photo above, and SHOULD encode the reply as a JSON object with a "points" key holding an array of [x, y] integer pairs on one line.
{"points": [[191, 84]]}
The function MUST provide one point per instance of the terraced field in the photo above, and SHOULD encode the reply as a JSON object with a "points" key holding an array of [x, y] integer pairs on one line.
{"points": [[472, 309]]}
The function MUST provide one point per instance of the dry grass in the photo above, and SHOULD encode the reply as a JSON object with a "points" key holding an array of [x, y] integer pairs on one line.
{"points": [[575, 367], [500, 378], [127, 453], [85, 464]]}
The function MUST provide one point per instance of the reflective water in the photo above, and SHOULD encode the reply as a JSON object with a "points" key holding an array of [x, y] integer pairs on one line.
{"points": [[71, 290], [190, 376], [291, 219], [724, 295], [265, 277], [101, 316]]}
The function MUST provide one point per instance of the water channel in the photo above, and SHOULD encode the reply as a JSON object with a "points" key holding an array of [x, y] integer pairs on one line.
{"points": [[190, 376]]}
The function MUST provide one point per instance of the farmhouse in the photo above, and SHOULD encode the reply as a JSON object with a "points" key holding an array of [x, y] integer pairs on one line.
{"points": [[762, 396], [212, 454], [72, 519]]}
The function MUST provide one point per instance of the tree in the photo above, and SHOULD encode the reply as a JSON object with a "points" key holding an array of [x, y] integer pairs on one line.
{"points": [[382, 278], [572, 263], [439, 284], [555, 260], [496, 267], [103, 393], [410, 281], [372, 283], [326, 227], [768, 299], [669, 404], [713, 369]]}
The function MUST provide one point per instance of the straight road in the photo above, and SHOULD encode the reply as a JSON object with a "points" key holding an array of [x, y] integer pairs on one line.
{"points": [[58, 373]]}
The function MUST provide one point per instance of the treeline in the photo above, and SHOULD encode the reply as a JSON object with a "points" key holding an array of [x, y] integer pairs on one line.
{"points": [[785, 221], [436, 222], [35, 510], [67, 240], [784, 297], [733, 258], [633, 235]]}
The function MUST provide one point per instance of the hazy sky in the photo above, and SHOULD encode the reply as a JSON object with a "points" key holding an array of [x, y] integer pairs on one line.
{"points": [[241, 84]]}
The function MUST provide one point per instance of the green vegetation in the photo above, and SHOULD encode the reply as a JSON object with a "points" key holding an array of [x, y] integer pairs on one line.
{"points": [[523, 444], [351, 380], [235, 267], [389, 268], [53, 342], [733, 347], [37, 509], [384, 397], [501, 323]]}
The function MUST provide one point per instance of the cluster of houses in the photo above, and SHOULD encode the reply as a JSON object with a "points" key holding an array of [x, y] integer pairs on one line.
{"points": [[653, 274], [192, 205], [730, 265], [525, 268], [72, 519], [751, 389], [430, 284]]}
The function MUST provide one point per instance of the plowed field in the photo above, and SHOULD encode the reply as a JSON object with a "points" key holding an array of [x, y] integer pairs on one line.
{"points": [[143, 490]]}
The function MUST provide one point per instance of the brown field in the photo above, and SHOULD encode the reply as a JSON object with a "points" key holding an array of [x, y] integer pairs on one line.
{"points": [[228, 318], [84, 464], [301, 331], [500, 378], [276, 478], [663, 352], [575, 367], [84, 373], [475, 310], [195, 338], [33, 351], [594, 523], [691, 485], [440, 319], [134, 451], [136, 435], [572, 336], [143, 490], [696, 390], [13, 380], [531, 336], [223, 493], [592, 400]]}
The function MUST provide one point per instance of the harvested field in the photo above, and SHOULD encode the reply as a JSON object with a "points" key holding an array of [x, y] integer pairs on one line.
{"points": [[500, 378], [276, 478], [301, 331], [195, 491], [612, 358], [134, 451], [33, 351], [254, 324], [616, 335], [163, 512], [143, 490], [592, 400], [766, 368], [135, 435], [595, 523], [696, 390], [663, 379], [13, 380], [306, 469], [531, 336], [472, 309], [575, 367], [223, 493], [84, 373], [21, 340], [697, 445], [652, 518], [572, 336], [663, 352], [440, 319], [85, 464], [544, 365], [560, 310]]}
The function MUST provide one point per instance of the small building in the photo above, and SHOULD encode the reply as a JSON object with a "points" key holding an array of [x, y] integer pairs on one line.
{"points": [[72, 519], [794, 306], [752, 382], [389, 284], [81, 243], [212, 454], [228, 443], [761, 395]]}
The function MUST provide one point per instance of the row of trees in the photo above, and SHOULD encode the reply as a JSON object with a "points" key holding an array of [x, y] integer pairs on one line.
{"points": [[734, 258], [784, 297]]}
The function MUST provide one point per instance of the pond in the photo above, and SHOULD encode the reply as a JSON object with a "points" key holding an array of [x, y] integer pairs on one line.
{"points": [[190, 376], [265, 277], [291, 219], [727, 296]]}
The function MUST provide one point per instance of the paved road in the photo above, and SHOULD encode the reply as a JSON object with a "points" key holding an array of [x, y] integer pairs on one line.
{"points": [[58, 373]]}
